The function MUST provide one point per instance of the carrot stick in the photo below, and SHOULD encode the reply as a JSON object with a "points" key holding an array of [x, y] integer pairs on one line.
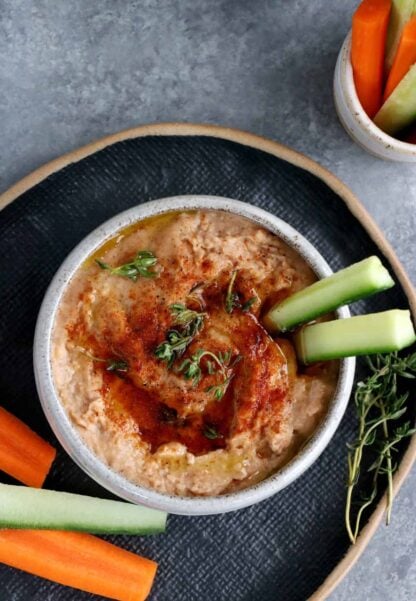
{"points": [[23, 454], [79, 560], [404, 58], [369, 32]]}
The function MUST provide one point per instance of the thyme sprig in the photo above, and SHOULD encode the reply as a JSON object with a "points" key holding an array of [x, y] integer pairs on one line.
{"points": [[232, 298], [119, 366], [188, 323], [211, 432], [191, 321], [191, 367], [218, 390], [173, 347], [379, 405], [248, 304], [140, 266], [220, 363], [177, 340]]}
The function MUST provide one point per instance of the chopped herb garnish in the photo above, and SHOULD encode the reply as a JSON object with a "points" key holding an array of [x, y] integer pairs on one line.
{"points": [[231, 298], [189, 323], [190, 320], [225, 357], [177, 340], [211, 367], [118, 366], [191, 369], [248, 304], [218, 390], [379, 405], [140, 266], [211, 432], [173, 347]]}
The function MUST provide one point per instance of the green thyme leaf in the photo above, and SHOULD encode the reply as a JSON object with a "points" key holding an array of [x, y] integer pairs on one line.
{"points": [[190, 320], [173, 347], [211, 432], [140, 266], [248, 304], [191, 369], [211, 367], [231, 298], [224, 357], [218, 390], [117, 365]]}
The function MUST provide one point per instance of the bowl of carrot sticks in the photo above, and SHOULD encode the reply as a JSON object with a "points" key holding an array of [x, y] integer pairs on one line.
{"points": [[375, 79]]}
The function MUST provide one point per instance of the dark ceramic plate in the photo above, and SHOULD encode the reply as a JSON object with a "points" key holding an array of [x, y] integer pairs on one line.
{"points": [[282, 548]]}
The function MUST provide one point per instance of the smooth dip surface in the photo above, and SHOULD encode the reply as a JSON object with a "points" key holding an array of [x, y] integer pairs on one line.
{"points": [[171, 379]]}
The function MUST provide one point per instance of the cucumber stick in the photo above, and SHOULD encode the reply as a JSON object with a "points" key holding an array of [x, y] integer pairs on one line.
{"points": [[401, 12], [352, 283], [36, 508], [399, 110], [362, 335]]}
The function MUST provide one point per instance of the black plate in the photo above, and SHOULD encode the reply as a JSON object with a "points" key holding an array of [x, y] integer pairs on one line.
{"points": [[282, 548]]}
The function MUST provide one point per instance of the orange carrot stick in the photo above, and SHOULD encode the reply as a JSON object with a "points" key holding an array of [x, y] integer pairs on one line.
{"points": [[79, 560], [369, 33], [23, 454], [405, 57]]}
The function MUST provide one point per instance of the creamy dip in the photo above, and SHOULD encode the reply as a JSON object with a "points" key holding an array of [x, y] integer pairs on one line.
{"points": [[230, 405]]}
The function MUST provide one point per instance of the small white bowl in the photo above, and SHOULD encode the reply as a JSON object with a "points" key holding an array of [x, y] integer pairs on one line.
{"points": [[356, 122], [69, 437]]}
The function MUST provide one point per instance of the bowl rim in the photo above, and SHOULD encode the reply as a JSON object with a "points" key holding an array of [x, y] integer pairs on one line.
{"points": [[375, 134], [72, 441]]}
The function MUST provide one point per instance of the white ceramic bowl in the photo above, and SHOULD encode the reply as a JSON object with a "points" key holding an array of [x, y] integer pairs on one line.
{"points": [[70, 438], [356, 122]]}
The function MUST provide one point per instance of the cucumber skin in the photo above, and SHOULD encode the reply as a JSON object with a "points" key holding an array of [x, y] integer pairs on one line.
{"points": [[73, 527], [329, 309], [22, 507], [370, 268], [334, 356], [391, 320]]}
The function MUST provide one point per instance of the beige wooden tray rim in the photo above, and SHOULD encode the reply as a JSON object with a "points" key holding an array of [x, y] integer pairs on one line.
{"points": [[354, 206]]}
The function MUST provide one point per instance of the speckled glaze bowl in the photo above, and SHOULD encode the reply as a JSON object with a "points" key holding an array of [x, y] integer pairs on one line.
{"points": [[356, 122], [67, 433]]}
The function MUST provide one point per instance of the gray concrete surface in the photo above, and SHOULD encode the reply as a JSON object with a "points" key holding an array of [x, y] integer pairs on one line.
{"points": [[74, 71]]}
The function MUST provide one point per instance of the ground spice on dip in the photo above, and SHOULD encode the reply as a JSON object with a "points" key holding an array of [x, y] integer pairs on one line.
{"points": [[162, 363]]}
